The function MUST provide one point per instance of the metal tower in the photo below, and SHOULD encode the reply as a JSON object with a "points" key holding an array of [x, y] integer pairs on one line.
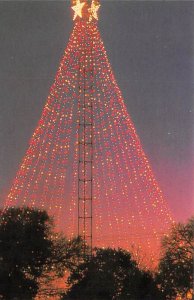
{"points": [[85, 145]]}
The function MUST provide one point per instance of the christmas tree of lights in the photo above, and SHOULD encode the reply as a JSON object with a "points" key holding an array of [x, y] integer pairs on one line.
{"points": [[85, 157]]}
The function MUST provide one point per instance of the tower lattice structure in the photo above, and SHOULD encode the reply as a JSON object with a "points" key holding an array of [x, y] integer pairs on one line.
{"points": [[85, 143], [85, 163]]}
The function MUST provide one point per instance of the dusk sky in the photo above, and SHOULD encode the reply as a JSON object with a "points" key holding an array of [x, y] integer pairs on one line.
{"points": [[150, 47]]}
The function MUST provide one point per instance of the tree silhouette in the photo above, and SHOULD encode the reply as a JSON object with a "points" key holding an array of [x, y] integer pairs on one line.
{"points": [[25, 247], [111, 274], [176, 266], [65, 258], [32, 254]]}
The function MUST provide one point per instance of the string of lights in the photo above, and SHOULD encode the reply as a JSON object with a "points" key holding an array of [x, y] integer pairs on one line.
{"points": [[129, 209]]}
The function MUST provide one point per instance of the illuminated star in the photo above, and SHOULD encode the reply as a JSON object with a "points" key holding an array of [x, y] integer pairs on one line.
{"points": [[93, 10], [78, 9]]}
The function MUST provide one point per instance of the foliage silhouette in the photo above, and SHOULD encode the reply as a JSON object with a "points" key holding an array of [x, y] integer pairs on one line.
{"points": [[111, 274], [32, 254], [25, 247], [176, 265]]}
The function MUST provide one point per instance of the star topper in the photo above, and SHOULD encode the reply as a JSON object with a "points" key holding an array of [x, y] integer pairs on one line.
{"points": [[85, 9], [77, 8], [93, 10]]}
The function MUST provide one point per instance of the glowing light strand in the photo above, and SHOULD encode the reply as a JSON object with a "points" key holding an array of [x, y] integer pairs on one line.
{"points": [[129, 207]]}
